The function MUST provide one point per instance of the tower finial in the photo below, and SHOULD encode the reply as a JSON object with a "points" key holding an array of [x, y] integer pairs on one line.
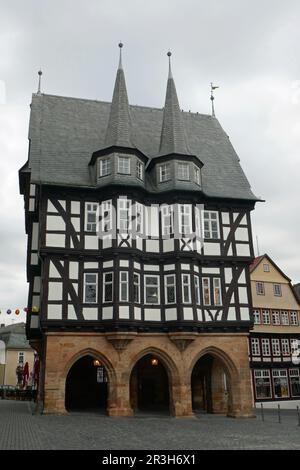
{"points": [[120, 60], [212, 88], [169, 53], [40, 73]]}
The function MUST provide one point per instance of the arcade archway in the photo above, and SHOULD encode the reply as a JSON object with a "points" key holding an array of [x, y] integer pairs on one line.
{"points": [[149, 386], [86, 386]]}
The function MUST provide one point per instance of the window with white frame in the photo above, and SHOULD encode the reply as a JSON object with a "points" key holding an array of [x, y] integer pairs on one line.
{"points": [[104, 167], [256, 317], [294, 318], [170, 289], [295, 382], [266, 268], [255, 347], [211, 224], [206, 290], [167, 217], [285, 318], [124, 214], [217, 291], [197, 290], [276, 347], [275, 317], [123, 286], [280, 382], [277, 290], [108, 287], [139, 170], [139, 218], [164, 172], [266, 317], [106, 216], [285, 347], [186, 288], [262, 383], [265, 347], [124, 165], [21, 356], [295, 345], [91, 212], [90, 288], [183, 171], [260, 288], [136, 288], [152, 295], [197, 176], [185, 219]]}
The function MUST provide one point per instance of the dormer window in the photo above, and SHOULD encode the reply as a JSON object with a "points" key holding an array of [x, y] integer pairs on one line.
{"points": [[164, 172], [197, 176], [183, 171], [139, 170], [124, 165], [104, 167]]}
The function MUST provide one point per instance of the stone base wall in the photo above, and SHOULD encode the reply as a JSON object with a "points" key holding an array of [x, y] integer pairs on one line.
{"points": [[120, 352]]}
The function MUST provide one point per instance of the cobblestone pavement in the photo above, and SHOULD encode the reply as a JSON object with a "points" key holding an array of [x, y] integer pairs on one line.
{"points": [[20, 429]]}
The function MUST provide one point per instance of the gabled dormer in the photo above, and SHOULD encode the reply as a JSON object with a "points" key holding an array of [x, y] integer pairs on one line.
{"points": [[175, 167], [119, 161]]}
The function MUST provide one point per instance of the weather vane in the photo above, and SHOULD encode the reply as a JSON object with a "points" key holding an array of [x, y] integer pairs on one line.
{"points": [[212, 88]]}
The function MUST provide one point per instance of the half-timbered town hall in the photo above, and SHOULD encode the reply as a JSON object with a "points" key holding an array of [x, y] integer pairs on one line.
{"points": [[139, 246]]}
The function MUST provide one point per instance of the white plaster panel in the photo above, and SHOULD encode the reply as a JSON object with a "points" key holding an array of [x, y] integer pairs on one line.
{"points": [[243, 295], [124, 263], [90, 313], [136, 265], [199, 314], [54, 239], [241, 234], [50, 207], [71, 313], [55, 291], [37, 284], [54, 312], [75, 207], [235, 215], [32, 190], [242, 250], [107, 313], [168, 245], [31, 205], [91, 242], [225, 218], [206, 270], [73, 270], [63, 204], [123, 311], [188, 314], [108, 264], [91, 265], [196, 269], [55, 222], [34, 321], [226, 231], [185, 267], [242, 278], [244, 220], [212, 249], [35, 236], [169, 267], [75, 287], [36, 300], [245, 313], [106, 242], [230, 250], [76, 223], [171, 314], [53, 271], [206, 316], [231, 314], [152, 314], [151, 267], [139, 243], [152, 245], [137, 313], [34, 258]]}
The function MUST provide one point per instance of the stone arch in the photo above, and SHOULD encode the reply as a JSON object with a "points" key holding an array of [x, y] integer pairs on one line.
{"points": [[224, 362], [171, 370], [109, 369]]}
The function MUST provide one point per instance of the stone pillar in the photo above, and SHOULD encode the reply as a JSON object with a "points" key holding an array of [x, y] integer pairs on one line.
{"points": [[181, 401], [119, 396], [218, 392]]}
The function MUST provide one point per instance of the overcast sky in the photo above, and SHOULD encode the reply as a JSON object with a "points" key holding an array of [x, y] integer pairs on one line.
{"points": [[250, 48]]}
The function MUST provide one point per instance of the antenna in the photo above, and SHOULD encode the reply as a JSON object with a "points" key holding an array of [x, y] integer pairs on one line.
{"points": [[212, 88], [40, 73]]}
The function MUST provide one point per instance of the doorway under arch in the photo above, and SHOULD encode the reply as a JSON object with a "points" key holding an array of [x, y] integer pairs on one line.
{"points": [[86, 386], [211, 387], [149, 386]]}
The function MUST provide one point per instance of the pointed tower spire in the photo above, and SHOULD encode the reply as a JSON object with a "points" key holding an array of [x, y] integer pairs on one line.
{"points": [[173, 139], [119, 123]]}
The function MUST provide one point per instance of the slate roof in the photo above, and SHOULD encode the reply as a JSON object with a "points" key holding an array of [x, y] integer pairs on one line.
{"points": [[64, 132], [14, 336]]}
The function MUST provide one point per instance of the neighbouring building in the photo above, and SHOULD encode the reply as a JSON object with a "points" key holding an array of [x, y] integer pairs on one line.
{"points": [[139, 247], [15, 351], [275, 338], [297, 291]]}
